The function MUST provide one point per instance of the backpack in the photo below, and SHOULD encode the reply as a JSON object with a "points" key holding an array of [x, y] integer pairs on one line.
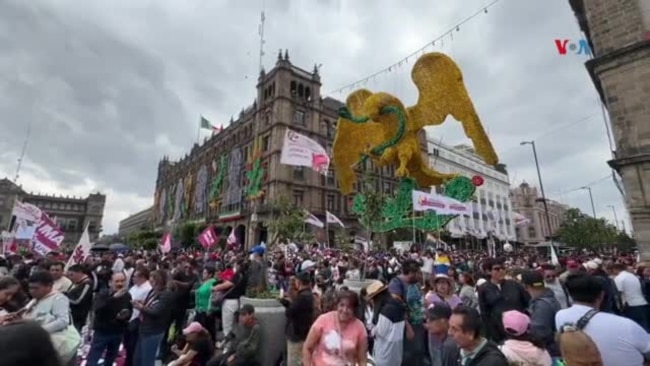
{"points": [[576, 347]]}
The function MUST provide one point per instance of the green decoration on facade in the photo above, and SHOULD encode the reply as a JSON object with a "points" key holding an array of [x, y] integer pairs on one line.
{"points": [[215, 190], [171, 202], [255, 176], [397, 212]]}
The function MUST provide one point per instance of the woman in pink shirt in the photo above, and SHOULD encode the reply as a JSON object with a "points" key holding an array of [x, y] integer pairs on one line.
{"points": [[337, 338]]}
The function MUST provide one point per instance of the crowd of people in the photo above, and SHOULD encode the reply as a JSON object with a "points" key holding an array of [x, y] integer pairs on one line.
{"points": [[427, 306]]}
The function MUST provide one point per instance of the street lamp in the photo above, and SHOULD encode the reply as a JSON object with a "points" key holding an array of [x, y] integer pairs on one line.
{"points": [[591, 198], [615, 215], [541, 188]]}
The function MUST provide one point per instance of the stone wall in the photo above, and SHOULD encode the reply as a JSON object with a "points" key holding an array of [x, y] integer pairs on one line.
{"points": [[621, 71]]}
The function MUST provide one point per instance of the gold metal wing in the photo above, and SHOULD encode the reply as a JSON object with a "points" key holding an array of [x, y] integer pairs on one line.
{"points": [[442, 93], [353, 140]]}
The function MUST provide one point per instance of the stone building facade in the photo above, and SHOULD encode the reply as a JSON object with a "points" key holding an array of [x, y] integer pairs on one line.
{"points": [[618, 33], [71, 214], [142, 220], [492, 209], [527, 202], [212, 183]]}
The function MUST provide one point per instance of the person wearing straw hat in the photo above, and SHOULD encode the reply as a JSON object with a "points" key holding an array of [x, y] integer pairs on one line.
{"points": [[389, 320]]}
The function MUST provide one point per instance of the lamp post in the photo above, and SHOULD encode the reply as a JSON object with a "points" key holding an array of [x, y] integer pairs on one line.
{"points": [[541, 188], [591, 198], [615, 215]]}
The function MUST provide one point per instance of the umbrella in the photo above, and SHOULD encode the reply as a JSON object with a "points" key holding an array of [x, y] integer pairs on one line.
{"points": [[100, 247], [119, 247]]}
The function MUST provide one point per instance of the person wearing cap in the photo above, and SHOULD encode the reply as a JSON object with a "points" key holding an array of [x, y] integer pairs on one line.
{"points": [[301, 313], [543, 307], [388, 325], [199, 347], [244, 348], [257, 272], [443, 350], [520, 347], [442, 291]]}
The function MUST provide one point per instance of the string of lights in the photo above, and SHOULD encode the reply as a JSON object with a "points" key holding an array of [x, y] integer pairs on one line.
{"points": [[432, 43]]}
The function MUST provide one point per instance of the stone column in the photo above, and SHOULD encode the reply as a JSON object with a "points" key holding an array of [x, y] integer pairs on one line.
{"points": [[620, 71]]}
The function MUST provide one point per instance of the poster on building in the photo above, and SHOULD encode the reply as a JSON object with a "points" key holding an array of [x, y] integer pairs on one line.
{"points": [[300, 150], [233, 194]]}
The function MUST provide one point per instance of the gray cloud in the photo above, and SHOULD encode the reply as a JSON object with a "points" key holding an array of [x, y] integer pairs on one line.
{"points": [[110, 87]]}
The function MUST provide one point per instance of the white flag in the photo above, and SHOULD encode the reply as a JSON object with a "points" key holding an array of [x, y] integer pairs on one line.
{"points": [[81, 251], [300, 150], [313, 220], [330, 218], [554, 260], [520, 220]]}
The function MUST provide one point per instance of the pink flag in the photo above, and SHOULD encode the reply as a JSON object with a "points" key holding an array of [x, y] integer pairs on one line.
{"points": [[166, 244], [232, 239], [207, 238]]}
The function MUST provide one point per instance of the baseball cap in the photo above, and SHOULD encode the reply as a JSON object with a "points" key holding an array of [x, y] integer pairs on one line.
{"points": [[247, 309], [532, 278], [438, 311], [571, 264], [258, 249], [193, 327], [515, 322]]}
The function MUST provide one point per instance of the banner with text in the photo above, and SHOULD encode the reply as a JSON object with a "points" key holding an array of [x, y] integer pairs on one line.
{"points": [[423, 201], [300, 150]]}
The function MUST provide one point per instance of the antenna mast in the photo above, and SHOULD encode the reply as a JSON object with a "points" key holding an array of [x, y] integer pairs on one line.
{"points": [[22, 152], [261, 33]]}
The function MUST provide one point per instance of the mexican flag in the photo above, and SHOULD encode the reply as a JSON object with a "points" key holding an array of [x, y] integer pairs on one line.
{"points": [[206, 125]]}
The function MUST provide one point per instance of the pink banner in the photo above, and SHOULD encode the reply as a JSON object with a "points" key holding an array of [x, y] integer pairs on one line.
{"points": [[207, 238], [47, 237]]}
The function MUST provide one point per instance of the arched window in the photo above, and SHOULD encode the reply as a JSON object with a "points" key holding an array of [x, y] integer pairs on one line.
{"points": [[308, 93], [301, 91], [294, 88]]}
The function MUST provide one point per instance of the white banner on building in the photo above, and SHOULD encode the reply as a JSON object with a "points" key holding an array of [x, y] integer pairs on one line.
{"points": [[300, 150], [519, 219], [423, 201]]}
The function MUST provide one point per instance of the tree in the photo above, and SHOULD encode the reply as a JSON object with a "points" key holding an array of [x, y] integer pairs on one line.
{"points": [[583, 231], [144, 239], [369, 204], [287, 222], [186, 234]]}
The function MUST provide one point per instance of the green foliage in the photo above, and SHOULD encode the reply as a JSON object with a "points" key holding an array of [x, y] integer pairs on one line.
{"points": [[144, 239], [262, 294], [186, 234], [287, 222], [342, 240], [382, 214], [583, 231], [255, 175]]}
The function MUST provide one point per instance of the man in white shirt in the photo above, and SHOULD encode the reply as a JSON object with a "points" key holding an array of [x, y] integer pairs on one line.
{"points": [[139, 292], [635, 305], [61, 282], [620, 341]]}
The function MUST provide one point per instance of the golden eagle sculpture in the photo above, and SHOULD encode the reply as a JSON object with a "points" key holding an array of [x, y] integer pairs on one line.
{"points": [[378, 126]]}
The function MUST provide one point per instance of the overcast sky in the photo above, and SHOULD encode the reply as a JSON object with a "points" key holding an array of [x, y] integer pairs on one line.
{"points": [[111, 86]]}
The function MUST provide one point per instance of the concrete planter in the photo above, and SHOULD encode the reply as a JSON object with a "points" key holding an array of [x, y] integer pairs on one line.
{"points": [[270, 316], [356, 286]]}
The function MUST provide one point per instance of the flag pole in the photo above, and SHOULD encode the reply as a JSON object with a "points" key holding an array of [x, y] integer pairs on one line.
{"points": [[327, 233], [198, 133]]}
